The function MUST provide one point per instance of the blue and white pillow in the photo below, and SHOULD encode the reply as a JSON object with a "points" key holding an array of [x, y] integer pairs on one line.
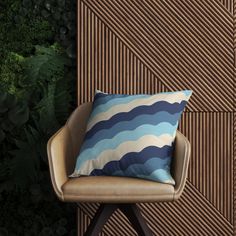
{"points": [[131, 135]]}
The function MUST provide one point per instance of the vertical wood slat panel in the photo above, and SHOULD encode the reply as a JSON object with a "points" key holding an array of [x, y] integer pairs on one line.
{"points": [[211, 165], [109, 61], [107, 64], [234, 121], [234, 174], [228, 4], [189, 65]]}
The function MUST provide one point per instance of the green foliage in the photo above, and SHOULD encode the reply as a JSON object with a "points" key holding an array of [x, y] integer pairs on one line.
{"points": [[45, 77], [42, 86], [33, 105], [31, 216], [46, 63], [31, 33], [13, 114], [11, 72], [36, 88], [19, 34]]}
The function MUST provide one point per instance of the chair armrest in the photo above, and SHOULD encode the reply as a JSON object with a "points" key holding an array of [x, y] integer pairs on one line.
{"points": [[63, 147], [180, 163], [59, 151]]}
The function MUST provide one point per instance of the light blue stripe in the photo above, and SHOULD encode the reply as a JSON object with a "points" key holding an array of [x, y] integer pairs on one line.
{"points": [[107, 144], [188, 93], [152, 119], [145, 168], [115, 101], [126, 99], [159, 175]]}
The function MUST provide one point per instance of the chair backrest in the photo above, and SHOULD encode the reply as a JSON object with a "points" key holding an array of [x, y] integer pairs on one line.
{"points": [[77, 126], [180, 162]]}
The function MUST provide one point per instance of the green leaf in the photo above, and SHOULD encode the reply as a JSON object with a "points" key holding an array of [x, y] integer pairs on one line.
{"points": [[7, 125], [47, 65], [3, 97], [26, 162], [19, 114], [2, 135], [10, 101], [46, 108]]}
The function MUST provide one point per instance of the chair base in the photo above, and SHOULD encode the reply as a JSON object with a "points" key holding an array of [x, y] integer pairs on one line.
{"points": [[131, 211]]}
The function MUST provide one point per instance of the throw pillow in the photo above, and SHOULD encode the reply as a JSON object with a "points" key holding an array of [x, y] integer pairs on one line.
{"points": [[131, 135]]}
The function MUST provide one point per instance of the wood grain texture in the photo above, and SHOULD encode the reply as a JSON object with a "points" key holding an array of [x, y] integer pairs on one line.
{"points": [[148, 46], [234, 124], [228, 4], [234, 174], [211, 165], [184, 43], [116, 225]]}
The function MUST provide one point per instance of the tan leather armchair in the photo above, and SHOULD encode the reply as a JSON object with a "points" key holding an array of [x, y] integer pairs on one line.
{"points": [[112, 192]]}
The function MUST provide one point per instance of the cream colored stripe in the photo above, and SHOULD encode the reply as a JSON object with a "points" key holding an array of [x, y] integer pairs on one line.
{"points": [[170, 98], [122, 149]]}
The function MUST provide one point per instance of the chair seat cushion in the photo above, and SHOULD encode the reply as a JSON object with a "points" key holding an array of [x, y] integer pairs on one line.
{"points": [[131, 135], [109, 189]]}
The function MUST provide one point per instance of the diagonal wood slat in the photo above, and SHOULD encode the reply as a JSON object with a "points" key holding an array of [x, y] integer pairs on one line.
{"points": [[234, 173], [210, 169], [234, 124], [200, 65], [107, 63], [114, 226], [185, 217], [174, 222], [228, 4], [148, 46]]}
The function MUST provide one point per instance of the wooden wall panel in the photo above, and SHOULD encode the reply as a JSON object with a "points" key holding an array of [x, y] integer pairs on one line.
{"points": [[186, 44], [228, 4], [211, 165], [148, 46]]}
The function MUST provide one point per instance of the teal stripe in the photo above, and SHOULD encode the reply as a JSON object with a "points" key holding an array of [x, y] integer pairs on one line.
{"points": [[151, 119], [188, 93], [107, 144], [127, 99], [146, 167], [115, 101], [159, 175]]}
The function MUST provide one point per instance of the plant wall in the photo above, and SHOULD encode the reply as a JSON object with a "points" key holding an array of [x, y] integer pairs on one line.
{"points": [[37, 77]]}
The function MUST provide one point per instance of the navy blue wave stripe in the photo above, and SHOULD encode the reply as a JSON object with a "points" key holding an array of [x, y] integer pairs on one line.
{"points": [[101, 98], [138, 121], [134, 158], [126, 116]]}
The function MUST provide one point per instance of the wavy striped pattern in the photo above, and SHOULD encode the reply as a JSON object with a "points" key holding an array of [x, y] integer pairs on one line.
{"points": [[126, 126], [131, 135], [135, 47]]}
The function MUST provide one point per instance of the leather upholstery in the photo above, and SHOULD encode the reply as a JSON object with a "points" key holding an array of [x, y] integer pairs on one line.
{"points": [[63, 148], [116, 189]]}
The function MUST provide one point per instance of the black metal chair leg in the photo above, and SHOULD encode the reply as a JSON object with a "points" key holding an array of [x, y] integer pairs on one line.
{"points": [[133, 214], [102, 215], [131, 211]]}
